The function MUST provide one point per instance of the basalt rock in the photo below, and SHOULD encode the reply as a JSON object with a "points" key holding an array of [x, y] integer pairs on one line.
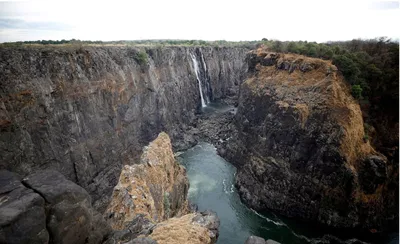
{"points": [[299, 146], [86, 111], [47, 208], [22, 212]]}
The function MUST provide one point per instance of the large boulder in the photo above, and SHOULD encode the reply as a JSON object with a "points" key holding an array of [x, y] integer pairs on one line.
{"points": [[45, 207], [22, 212], [70, 216]]}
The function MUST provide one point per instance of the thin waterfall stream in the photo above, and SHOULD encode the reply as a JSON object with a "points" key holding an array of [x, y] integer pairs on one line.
{"points": [[196, 70]]}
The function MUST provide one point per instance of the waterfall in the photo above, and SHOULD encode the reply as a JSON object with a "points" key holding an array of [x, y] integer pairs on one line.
{"points": [[196, 70], [205, 71]]}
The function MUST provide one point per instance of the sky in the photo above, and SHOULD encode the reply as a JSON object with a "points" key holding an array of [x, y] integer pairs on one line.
{"points": [[232, 20]]}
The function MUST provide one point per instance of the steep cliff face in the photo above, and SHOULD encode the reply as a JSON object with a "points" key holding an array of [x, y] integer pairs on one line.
{"points": [[86, 111], [156, 188], [300, 146], [150, 201]]}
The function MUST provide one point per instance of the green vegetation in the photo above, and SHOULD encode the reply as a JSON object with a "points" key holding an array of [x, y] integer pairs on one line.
{"points": [[356, 91], [366, 138], [370, 66], [141, 57]]}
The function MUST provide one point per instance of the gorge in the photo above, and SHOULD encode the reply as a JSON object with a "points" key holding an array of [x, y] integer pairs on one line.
{"points": [[296, 136]]}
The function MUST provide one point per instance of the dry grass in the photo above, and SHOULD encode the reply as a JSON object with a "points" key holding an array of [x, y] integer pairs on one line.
{"points": [[320, 88], [181, 230]]}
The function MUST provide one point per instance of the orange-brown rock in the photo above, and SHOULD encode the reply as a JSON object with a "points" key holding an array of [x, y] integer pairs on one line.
{"points": [[195, 228], [156, 187]]}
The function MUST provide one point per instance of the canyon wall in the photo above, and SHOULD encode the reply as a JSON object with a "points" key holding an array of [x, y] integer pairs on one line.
{"points": [[86, 111], [300, 146]]}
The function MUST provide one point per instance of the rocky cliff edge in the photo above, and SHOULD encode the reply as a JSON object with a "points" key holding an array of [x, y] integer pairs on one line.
{"points": [[300, 146]]}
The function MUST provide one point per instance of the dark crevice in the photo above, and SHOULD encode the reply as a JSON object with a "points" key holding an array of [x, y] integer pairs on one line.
{"points": [[33, 189], [76, 174]]}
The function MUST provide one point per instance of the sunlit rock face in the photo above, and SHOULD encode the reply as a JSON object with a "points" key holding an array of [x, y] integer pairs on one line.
{"points": [[157, 187], [150, 201], [300, 149]]}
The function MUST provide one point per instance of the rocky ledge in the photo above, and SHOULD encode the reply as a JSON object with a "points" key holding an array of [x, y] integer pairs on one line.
{"points": [[300, 148]]}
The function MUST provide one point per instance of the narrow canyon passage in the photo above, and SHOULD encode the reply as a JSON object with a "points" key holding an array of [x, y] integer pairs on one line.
{"points": [[211, 187], [212, 181]]}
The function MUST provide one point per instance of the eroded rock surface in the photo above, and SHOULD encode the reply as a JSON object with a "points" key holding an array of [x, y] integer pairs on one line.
{"points": [[300, 149], [157, 187]]}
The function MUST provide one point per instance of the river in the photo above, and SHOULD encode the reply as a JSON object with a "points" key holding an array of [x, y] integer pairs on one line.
{"points": [[212, 187]]}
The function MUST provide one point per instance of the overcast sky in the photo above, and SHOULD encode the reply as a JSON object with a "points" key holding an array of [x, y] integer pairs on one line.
{"points": [[202, 19]]}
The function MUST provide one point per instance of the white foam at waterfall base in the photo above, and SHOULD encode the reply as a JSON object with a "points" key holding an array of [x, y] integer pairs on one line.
{"points": [[196, 70]]}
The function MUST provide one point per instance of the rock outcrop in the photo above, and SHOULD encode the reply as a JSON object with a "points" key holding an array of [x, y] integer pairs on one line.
{"points": [[86, 111], [47, 208], [194, 228], [300, 147], [156, 188], [150, 201]]}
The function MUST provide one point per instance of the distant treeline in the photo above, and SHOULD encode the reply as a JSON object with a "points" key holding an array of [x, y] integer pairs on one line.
{"points": [[370, 66], [247, 44]]}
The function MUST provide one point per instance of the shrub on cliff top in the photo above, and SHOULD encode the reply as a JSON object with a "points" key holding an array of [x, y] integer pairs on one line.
{"points": [[356, 91]]}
